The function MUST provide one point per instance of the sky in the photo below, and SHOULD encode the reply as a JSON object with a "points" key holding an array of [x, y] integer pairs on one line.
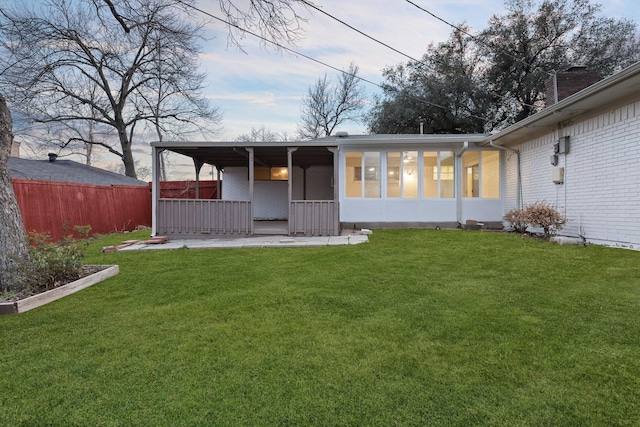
{"points": [[261, 87], [257, 87]]}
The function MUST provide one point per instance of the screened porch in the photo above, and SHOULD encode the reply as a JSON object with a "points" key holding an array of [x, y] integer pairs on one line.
{"points": [[266, 188]]}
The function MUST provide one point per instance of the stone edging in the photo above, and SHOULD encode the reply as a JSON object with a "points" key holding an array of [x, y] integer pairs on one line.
{"points": [[43, 298]]}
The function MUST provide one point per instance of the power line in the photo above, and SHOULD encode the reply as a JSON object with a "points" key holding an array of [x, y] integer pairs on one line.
{"points": [[425, 64], [477, 40], [295, 52], [311, 5]]}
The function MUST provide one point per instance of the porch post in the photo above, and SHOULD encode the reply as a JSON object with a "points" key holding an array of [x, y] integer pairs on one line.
{"points": [[290, 222], [251, 176], [155, 188], [336, 190], [198, 165], [218, 193]]}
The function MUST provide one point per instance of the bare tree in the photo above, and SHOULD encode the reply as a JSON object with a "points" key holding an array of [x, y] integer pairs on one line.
{"points": [[84, 64], [327, 106], [13, 239], [262, 134]]}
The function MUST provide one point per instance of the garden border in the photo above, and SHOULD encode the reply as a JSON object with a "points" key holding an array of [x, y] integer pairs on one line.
{"points": [[35, 301]]}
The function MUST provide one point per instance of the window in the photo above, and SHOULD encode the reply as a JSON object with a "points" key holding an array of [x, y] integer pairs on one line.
{"points": [[446, 160], [410, 174], [481, 174], [354, 175], [393, 175], [363, 174], [263, 173], [438, 174], [402, 171], [430, 162], [372, 183]]}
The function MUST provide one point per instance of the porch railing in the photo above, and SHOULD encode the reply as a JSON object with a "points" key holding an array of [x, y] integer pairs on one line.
{"points": [[314, 218], [201, 217]]}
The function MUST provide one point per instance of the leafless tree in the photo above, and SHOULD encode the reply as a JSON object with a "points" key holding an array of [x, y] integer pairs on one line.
{"points": [[262, 134], [71, 62], [328, 105]]}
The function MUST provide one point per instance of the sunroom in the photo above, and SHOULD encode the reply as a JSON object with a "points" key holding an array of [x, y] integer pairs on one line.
{"points": [[419, 181]]}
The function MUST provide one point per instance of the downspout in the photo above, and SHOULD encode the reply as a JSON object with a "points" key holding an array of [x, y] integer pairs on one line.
{"points": [[458, 181], [518, 173]]}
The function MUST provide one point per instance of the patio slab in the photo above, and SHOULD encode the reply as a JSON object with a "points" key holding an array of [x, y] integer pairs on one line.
{"points": [[250, 242]]}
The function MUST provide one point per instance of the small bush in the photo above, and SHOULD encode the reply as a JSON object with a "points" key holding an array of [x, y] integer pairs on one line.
{"points": [[545, 216], [50, 264], [518, 220], [539, 214], [53, 263]]}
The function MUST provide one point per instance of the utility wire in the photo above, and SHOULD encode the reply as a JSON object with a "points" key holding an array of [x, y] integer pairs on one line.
{"points": [[476, 39], [425, 64], [311, 5], [295, 52]]}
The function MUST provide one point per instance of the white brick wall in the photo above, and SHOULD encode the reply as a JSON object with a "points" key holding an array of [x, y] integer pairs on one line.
{"points": [[601, 190]]}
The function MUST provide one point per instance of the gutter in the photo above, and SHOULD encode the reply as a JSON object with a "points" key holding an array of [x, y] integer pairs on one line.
{"points": [[458, 186]]}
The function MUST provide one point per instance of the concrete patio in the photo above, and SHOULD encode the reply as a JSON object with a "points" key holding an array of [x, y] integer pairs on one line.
{"points": [[249, 242]]}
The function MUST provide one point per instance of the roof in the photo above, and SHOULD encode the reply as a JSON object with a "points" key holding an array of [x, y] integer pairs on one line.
{"points": [[66, 171], [307, 153], [607, 92], [406, 139]]}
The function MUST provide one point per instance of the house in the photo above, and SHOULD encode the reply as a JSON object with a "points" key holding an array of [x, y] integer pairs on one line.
{"points": [[581, 153]]}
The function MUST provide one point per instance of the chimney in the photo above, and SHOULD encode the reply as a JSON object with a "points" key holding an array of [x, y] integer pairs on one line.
{"points": [[565, 83], [15, 149], [52, 157]]}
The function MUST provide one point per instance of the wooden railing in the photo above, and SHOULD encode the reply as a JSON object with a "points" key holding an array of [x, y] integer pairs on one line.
{"points": [[202, 217], [314, 218]]}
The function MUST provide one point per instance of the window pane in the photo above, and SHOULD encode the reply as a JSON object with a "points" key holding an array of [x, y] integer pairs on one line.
{"points": [[410, 174], [447, 174], [490, 161], [430, 161], [354, 175], [470, 174], [393, 174], [372, 175]]}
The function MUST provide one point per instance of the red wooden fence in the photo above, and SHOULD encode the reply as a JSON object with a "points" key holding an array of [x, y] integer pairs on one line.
{"points": [[53, 207]]}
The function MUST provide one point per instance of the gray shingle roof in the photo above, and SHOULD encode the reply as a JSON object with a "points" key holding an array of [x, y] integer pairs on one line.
{"points": [[66, 171]]}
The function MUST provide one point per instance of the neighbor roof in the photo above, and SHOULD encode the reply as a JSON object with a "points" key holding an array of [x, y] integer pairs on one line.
{"points": [[66, 171]]}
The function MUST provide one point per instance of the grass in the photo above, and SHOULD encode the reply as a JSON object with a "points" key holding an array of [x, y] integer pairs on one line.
{"points": [[436, 327]]}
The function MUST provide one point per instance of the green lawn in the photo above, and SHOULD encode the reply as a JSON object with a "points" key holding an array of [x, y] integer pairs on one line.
{"points": [[428, 327]]}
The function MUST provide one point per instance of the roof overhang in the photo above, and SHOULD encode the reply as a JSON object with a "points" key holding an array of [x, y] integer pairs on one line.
{"points": [[269, 154]]}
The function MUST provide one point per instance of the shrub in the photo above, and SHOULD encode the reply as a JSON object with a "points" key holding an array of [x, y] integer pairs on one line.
{"points": [[53, 263], [50, 264], [539, 214], [545, 216], [517, 218]]}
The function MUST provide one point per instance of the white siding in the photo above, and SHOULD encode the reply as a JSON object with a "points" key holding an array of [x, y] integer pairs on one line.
{"points": [[271, 198], [601, 190]]}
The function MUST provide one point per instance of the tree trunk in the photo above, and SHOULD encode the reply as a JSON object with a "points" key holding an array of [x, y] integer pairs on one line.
{"points": [[14, 247]]}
